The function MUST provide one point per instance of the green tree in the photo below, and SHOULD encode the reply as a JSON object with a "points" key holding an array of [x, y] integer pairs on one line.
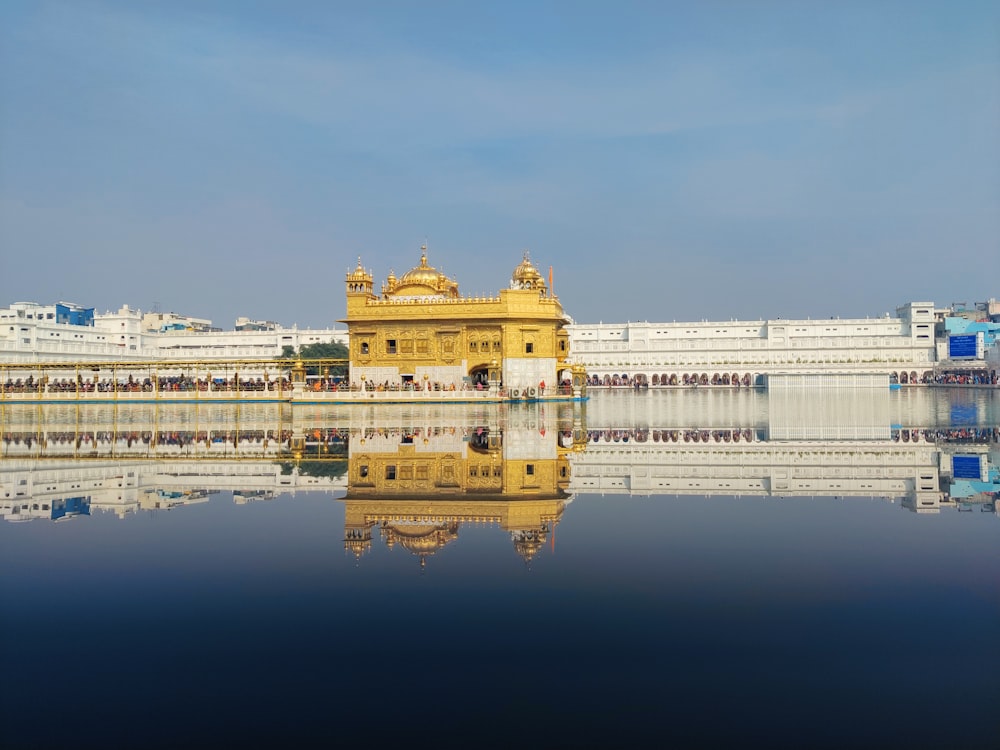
{"points": [[329, 350], [332, 469]]}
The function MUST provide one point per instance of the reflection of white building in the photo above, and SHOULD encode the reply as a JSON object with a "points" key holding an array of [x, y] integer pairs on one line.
{"points": [[30, 332], [795, 468], [923, 476], [61, 461], [792, 443], [61, 489]]}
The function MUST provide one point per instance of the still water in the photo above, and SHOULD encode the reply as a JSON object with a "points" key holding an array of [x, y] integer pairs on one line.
{"points": [[701, 568]]}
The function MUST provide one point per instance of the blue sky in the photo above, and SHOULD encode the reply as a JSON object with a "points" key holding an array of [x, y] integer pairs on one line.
{"points": [[671, 161]]}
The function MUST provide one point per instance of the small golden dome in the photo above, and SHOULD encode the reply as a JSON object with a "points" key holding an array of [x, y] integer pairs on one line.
{"points": [[527, 543], [526, 276], [359, 273]]}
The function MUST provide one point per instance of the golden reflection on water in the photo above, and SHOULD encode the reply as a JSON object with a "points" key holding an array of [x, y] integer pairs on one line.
{"points": [[415, 473]]}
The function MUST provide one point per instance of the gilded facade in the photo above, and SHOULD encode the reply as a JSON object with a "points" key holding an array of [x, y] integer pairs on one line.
{"points": [[419, 333]]}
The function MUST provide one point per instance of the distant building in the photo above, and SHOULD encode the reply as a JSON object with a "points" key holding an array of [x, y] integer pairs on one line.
{"points": [[30, 332], [158, 322], [992, 309], [718, 352], [245, 324]]}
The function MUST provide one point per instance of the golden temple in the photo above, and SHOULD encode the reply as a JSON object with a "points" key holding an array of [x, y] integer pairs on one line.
{"points": [[421, 334]]}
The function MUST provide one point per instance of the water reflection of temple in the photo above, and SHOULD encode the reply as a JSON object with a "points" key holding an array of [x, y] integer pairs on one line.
{"points": [[417, 475], [417, 487]]}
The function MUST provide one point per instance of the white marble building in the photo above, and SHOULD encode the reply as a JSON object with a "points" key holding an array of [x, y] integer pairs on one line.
{"points": [[30, 332], [717, 350]]}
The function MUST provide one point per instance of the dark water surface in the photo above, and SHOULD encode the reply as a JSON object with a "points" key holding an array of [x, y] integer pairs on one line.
{"points": [[648, 617]]}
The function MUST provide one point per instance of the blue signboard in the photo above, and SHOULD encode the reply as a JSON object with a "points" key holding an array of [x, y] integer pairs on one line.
{"points": [[962, 346], [965, 467]]}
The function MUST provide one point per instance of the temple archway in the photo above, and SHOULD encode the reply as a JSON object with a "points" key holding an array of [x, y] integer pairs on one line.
{"points": [[480, 377]]}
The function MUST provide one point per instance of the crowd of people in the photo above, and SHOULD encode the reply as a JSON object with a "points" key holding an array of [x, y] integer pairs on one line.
{"points": [[143, 385], [106, 440], [641, 381], [966, 378], [184, 383], [335, 439], [949, 435], [970, 377], [749, 435], [643, 435]]}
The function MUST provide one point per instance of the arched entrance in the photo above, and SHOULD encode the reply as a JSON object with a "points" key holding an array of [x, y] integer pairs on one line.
{"points": [[480, 377], [479, 440], [565, 384]]}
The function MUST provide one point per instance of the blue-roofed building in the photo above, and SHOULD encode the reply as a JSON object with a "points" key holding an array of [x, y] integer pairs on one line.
{"points": [[72, 314]]}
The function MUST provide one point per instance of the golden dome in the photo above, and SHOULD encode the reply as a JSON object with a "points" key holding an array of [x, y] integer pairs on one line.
{"points": [[420, 539], [422, 274], [526, 276], [359, 273], [422, 280]]}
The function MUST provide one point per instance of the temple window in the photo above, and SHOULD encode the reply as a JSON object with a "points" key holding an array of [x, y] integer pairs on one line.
{"points": [[390, 472], [390, 346], [529, 469], [364, 347], [529, 348]]}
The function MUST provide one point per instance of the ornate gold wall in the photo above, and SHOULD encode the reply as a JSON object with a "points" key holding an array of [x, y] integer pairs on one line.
{"points": [[420, 326]]}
